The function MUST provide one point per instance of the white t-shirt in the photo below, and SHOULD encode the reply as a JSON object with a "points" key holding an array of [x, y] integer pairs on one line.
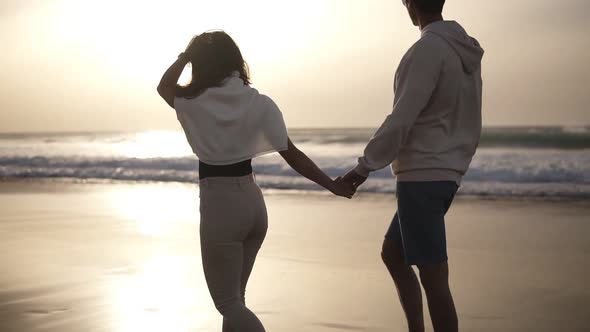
{"points": [[231, 123]]}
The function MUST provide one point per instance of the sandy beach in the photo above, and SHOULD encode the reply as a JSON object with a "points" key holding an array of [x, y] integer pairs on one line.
{"points": [[126, 257]]}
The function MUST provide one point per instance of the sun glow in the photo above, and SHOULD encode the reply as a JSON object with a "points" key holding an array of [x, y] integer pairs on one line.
{"points": [[135, 40], [157, 210], [161, 296], [164, 289], [151, 300], [155, 144]]}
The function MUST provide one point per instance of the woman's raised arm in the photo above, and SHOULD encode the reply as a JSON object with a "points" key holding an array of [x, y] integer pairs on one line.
{"points": [[169, 82]]}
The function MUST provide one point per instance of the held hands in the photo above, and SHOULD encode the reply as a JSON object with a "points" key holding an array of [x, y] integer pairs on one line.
{"points": [[341, 188], [346, 186], [353, 179]]}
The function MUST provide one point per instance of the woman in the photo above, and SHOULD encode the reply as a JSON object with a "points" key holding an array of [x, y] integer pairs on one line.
{"points": [[227, 123]]}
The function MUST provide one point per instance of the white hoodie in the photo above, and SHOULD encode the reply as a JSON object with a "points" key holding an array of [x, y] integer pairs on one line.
{"points": [[435, 126], [231, 123]]}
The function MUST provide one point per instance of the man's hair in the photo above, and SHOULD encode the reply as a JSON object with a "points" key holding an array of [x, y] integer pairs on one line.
{"points": [[430, 6]]}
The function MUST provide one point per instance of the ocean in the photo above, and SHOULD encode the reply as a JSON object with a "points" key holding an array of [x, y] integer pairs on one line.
{"points": [[543, 162]]}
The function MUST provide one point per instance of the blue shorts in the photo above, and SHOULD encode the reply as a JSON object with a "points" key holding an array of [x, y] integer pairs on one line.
{"points": [[419, 223]]}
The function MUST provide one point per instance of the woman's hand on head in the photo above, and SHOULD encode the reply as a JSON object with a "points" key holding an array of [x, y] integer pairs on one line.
{"points": [[183, 57]]}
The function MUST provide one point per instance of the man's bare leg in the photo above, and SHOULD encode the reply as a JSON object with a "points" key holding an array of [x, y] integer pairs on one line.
{"points": [[435, 280], [406, 282]]}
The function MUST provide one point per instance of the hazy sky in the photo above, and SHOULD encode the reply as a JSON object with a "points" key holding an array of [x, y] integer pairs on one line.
{"points": [[81, 65]]}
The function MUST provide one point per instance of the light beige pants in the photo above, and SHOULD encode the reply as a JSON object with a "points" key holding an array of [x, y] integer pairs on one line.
{"points": [[233, 227]]}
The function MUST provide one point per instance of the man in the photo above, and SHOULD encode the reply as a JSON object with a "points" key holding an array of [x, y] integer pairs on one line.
{"points": [[430, 139]]}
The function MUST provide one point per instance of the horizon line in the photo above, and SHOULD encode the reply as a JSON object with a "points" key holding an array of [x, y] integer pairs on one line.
{"points": [[81, 132]]}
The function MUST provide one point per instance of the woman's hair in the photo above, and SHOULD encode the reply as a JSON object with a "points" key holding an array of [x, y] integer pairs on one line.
{"points": [[430, 6], [213, 56]]}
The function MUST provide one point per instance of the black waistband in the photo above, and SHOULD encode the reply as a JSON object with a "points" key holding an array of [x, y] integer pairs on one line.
{"points": [[242, 168]]}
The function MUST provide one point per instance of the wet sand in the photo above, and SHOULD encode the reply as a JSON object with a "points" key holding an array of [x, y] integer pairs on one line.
{"points": [[125, 257]]}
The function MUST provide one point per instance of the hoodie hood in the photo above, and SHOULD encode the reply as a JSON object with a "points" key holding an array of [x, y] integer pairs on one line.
{"points": [[466, 47]]}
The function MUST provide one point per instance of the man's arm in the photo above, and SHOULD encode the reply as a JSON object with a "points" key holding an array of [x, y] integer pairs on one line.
{"points": [[168, 83], [416, 80]]}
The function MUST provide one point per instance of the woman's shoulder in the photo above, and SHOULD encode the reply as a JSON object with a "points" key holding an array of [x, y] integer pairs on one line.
{"points": [[266, 101], [182, 103]]}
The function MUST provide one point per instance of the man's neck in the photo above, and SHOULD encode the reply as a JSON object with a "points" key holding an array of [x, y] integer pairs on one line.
{"points": [[424, 21]]}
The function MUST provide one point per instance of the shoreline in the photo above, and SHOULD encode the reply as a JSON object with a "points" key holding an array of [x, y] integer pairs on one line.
{"points": [[48, 183]]}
